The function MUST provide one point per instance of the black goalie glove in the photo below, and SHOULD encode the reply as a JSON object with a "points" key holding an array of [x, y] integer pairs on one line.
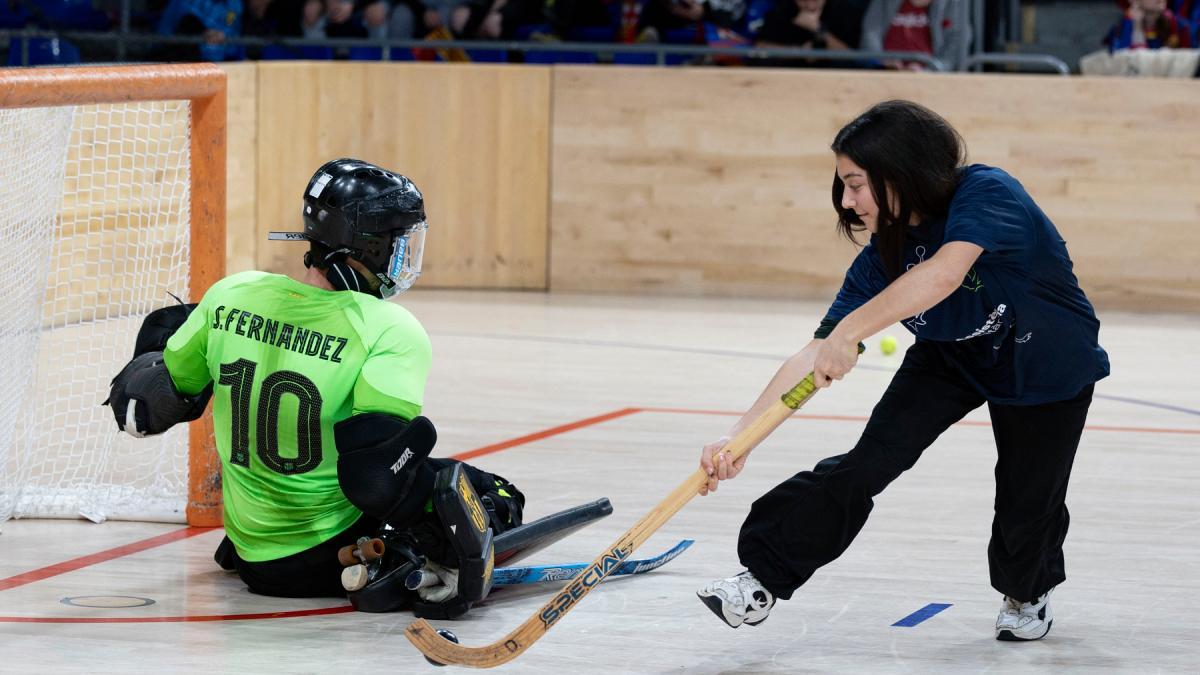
{"points": [[144, 400], [159, 326]]}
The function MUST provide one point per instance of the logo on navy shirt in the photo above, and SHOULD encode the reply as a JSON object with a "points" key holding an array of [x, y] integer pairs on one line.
{"points": [[992, 325], [972, 282]]}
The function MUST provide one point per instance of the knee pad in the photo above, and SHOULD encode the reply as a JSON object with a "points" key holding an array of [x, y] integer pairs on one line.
{"points": [[384, 467]]}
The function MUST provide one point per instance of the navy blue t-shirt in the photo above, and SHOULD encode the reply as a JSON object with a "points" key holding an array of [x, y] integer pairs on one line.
{"points": [[1019, 328]]}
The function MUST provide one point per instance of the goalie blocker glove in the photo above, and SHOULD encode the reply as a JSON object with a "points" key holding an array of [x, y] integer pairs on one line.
{"points": [[144, 399]]}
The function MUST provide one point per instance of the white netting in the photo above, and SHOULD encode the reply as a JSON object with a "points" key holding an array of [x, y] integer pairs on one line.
{"points": [[93, 235]]}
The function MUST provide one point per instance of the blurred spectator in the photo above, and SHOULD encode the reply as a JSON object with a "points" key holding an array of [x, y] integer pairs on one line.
{"points": [[494, 19], [1149, 24], [345, 18], [274, 18], [414, 18], [566, 17], [312, 18], [689, 20], [799, 23], [844, 18], [936, 27], [1188, 10], [215, 20]]}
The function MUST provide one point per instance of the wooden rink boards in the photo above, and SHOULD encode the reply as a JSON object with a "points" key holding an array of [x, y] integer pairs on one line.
{"points": [[703, 181], [674, 372], [717, 181]]}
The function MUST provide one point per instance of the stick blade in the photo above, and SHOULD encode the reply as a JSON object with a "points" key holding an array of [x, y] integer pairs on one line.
{"points": [[438, 649]]}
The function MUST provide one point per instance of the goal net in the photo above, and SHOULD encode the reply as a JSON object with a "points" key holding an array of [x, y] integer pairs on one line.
{"points": [[96, 229]]}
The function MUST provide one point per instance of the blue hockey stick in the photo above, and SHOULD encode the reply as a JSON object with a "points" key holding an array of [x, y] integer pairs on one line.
{"points": [[532, 574]]}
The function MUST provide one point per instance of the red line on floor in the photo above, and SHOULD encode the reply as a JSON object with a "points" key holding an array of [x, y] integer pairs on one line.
{"points": [[184, 533], [177, 619], [103, 556], [966, 423], [554, 431], [730, 413]]}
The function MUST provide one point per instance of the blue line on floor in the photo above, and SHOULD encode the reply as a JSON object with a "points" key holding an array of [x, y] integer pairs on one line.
{"points": [[921, 614]]}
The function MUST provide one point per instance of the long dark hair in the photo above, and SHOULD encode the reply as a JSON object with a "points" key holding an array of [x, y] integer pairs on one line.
{"points": [[911, 152]]}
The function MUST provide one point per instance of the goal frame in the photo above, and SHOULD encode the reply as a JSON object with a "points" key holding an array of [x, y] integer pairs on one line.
{"points": [[204, 85]]}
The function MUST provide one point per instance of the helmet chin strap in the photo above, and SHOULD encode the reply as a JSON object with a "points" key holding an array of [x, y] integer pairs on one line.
{"points": [[343, 274]]}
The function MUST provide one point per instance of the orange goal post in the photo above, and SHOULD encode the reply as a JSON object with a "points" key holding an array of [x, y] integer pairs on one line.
{"points": [[112, 198]]}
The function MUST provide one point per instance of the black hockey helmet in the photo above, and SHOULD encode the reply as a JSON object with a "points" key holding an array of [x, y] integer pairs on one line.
{"points": [[363, 212]]}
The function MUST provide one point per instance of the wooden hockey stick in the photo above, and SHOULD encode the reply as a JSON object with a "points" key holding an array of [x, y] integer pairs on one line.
{"points": [[440, 650]]}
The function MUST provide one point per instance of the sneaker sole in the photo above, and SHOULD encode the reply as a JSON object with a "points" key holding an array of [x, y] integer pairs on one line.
{"points": [[714, 603], [1009, 636]]}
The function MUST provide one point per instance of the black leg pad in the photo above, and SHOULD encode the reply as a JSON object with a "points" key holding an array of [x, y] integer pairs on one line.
{"points": [[466, 525]]}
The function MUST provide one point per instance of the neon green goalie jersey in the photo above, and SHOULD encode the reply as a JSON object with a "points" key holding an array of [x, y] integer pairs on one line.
{"points": [[288, 361]]}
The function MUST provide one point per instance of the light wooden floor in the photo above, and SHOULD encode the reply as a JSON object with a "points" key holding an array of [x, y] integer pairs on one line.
{"points": [[511, 365]]}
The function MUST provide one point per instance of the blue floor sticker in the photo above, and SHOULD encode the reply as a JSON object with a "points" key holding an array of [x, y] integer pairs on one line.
{"points": [[921, 614]]}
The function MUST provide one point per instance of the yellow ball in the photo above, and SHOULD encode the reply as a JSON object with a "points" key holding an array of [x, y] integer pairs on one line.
{"points": [[888, 344]]}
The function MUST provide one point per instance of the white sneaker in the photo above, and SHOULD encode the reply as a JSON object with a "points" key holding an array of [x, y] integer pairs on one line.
{"points": [[738, 600], [1024, 620]]}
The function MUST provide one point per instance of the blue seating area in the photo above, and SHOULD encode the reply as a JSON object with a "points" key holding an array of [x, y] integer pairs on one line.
{"points": [[70, 15], [304, 53], [717, 29], [53, 15], [14, 17], [44, 52]]}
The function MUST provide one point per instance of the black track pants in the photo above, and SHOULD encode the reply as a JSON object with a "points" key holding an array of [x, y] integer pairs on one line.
{"points": [[810, 519]]}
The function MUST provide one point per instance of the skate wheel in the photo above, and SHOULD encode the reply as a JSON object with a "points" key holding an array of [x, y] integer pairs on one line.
{"points": [[371, 549], [414, 580], [449, 636], [354, 578], [346, 556]]}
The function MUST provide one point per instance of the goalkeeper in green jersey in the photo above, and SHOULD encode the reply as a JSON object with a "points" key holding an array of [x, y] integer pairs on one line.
{"points": [[317, 387]]}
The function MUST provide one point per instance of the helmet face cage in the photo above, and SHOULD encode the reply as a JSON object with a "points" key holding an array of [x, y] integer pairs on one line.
{"points": [[404, 263]]}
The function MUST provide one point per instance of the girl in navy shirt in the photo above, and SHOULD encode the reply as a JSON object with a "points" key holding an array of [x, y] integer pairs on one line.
{"points": [[966, 261]]}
